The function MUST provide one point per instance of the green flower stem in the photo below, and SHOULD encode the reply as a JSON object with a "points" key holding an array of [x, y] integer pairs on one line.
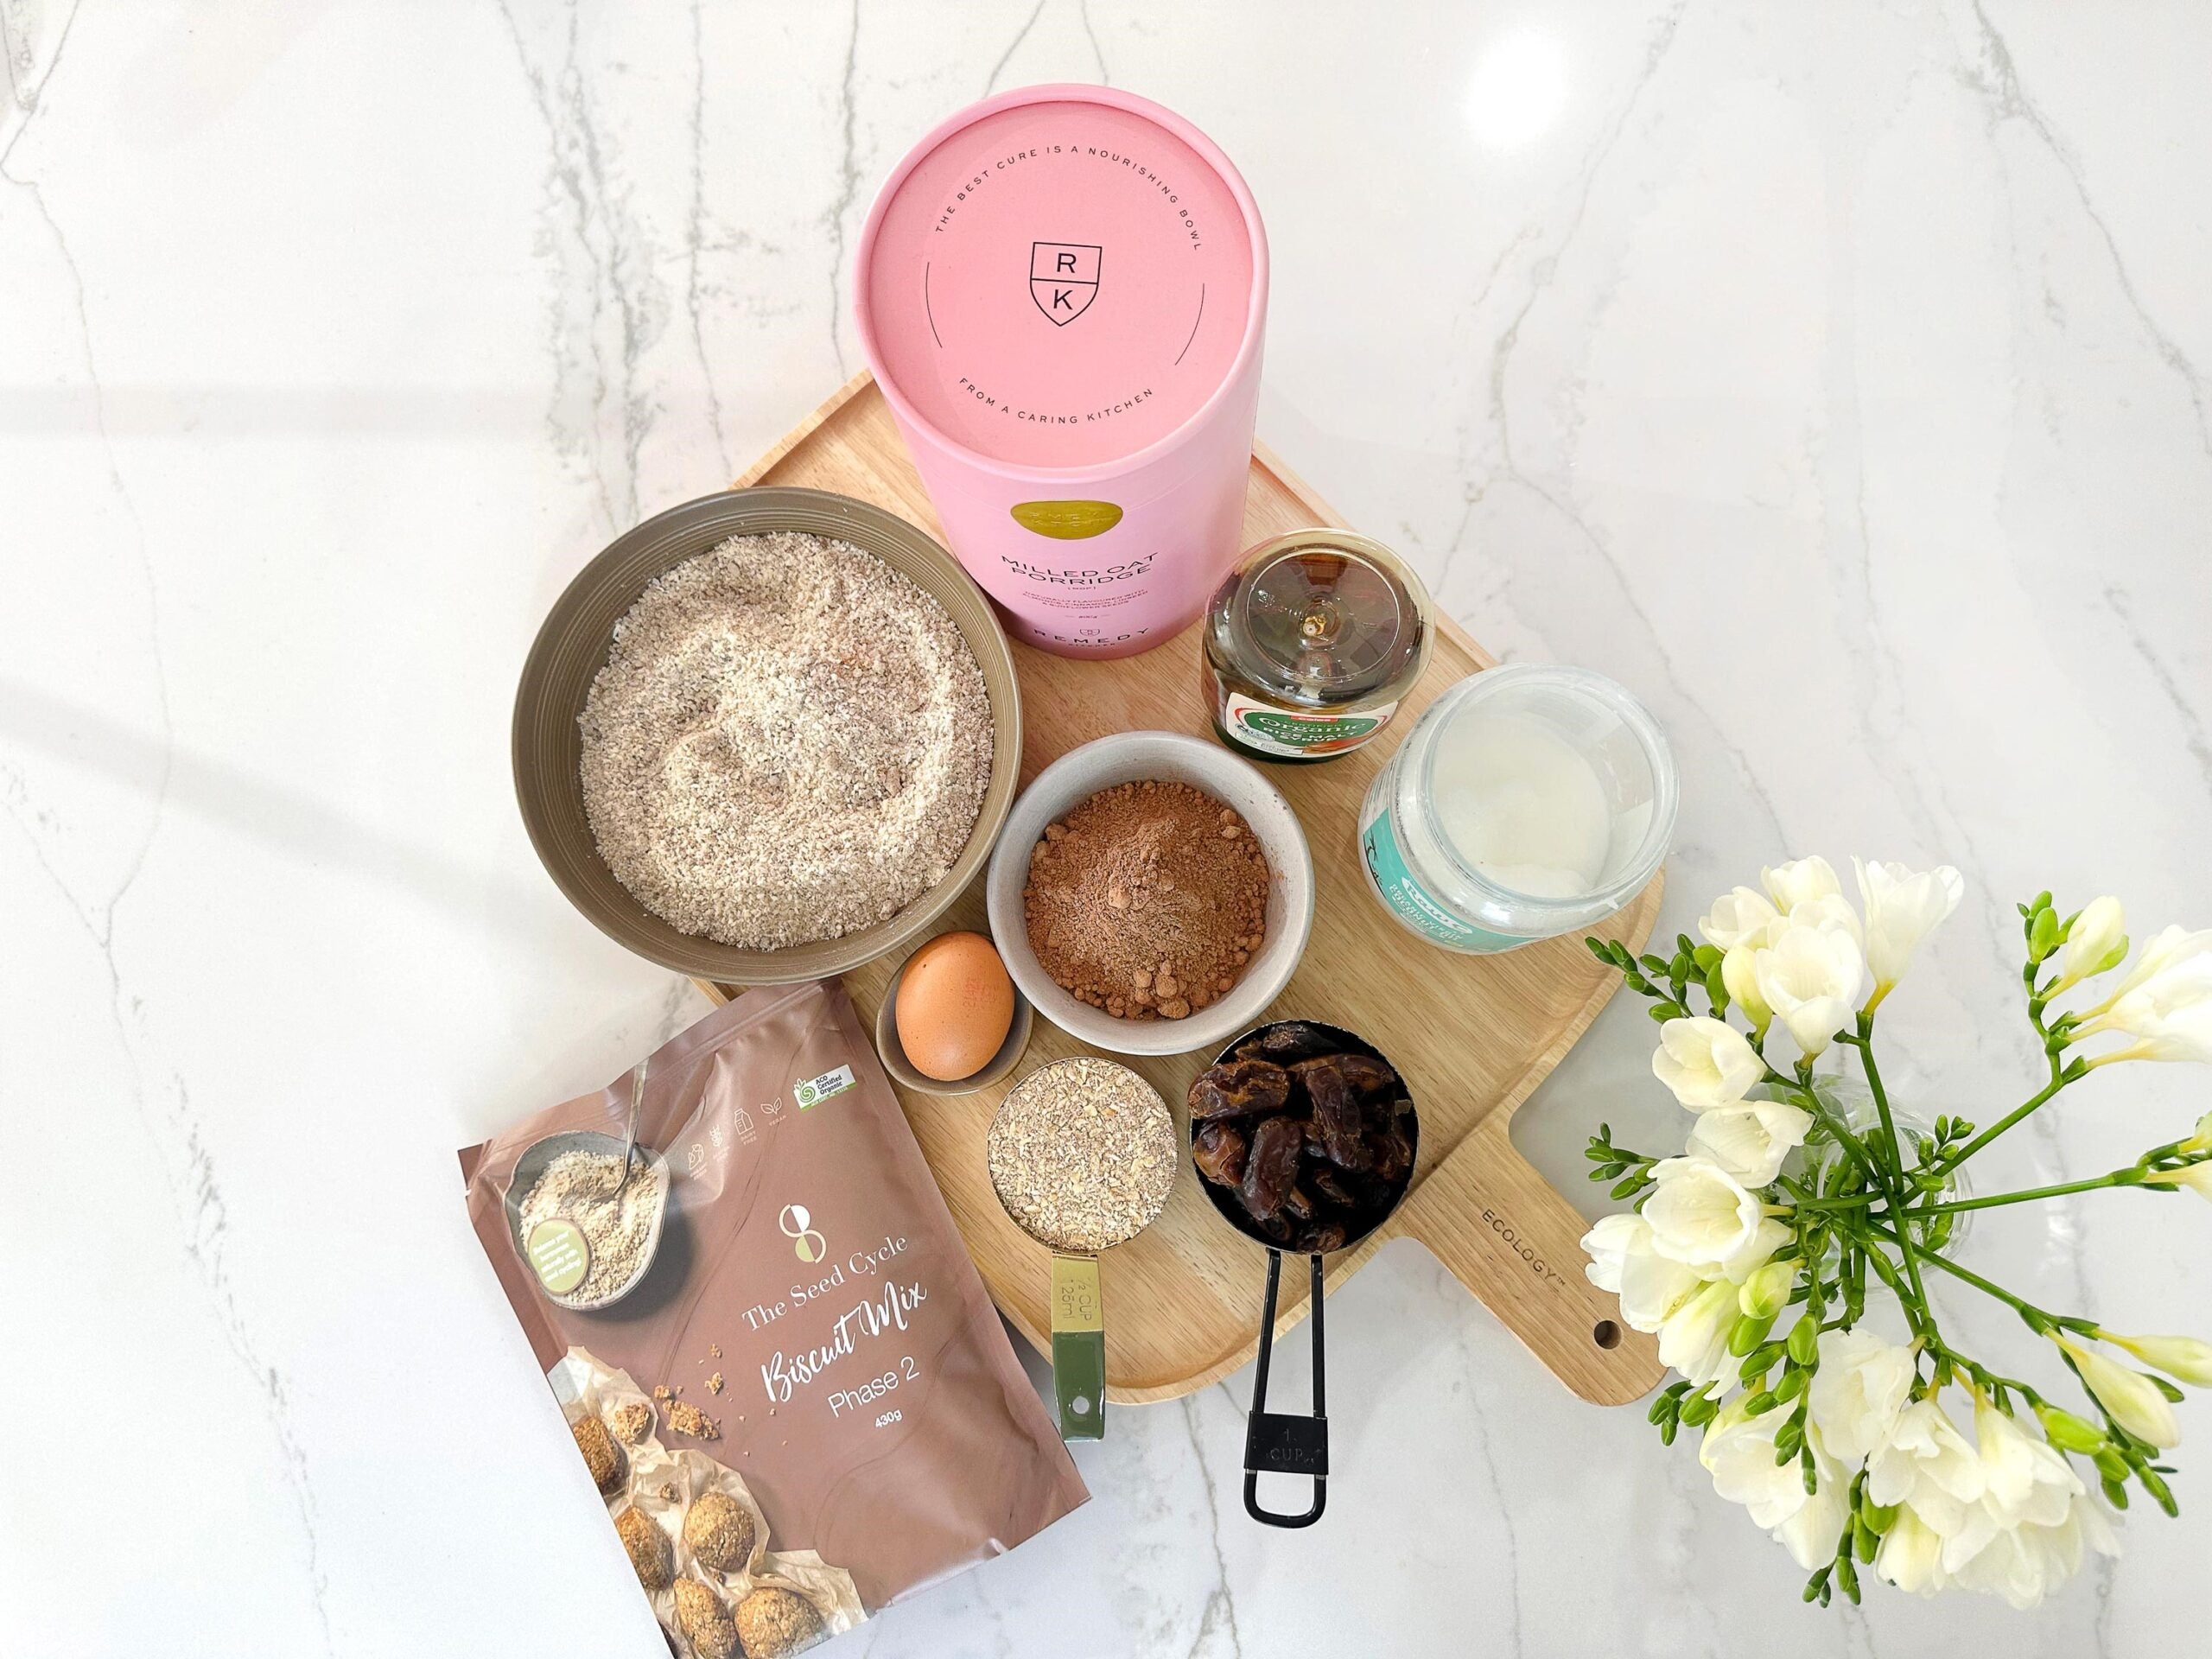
{"points": [[1892, 1177], [1854, 1201], [2036, 1316], [2131, 1176], [1934, 1341], [1850, 1142], [1859, 1232], [1958, 1155], [1899, 1288]]}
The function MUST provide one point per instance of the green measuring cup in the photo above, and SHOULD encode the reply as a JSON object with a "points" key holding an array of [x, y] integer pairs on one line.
{"points": [[1125, 1207]]}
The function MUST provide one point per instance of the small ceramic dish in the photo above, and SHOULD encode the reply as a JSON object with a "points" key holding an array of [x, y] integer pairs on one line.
{"points": [[1167, 757], [892, 1053]]}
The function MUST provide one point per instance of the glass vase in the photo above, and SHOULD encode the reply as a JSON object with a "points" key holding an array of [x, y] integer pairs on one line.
{"points": [[1823, 1156]]}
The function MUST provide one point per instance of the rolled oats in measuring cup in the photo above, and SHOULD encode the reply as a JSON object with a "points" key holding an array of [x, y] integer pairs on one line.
{"points": [[1527, 801], [1083, 1154]]}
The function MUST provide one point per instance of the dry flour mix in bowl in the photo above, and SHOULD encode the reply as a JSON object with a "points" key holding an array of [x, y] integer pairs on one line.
{"points": [[808, 1407], [789, 741]]}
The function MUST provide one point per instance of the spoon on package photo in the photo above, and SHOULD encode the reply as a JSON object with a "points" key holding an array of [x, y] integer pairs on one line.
{"points": [[1083, 1153], [552, 1233]]}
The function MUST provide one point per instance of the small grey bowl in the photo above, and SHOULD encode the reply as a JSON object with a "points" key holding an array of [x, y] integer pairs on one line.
{"points": [[892, 1053], [536, 1157], [1168, 757]]}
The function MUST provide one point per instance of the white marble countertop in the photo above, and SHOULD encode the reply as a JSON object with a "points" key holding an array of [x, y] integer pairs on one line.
{"points": [[1835, 376]]}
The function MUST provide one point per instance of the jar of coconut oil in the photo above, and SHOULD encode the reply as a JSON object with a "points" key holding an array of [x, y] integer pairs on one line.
{"points": [[1527, 801]]}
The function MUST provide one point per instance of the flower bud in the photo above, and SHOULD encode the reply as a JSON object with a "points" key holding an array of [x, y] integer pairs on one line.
{"points": [[2068, 1431], [2136, 1403], [1804, 1341], [2158, 1489], [1749, 1334], [2185, 1358], [2095, 942], [1766, 1293]]}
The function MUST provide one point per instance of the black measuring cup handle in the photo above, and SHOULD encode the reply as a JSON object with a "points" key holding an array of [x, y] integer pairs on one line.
{"points": [[1283, 1443]]}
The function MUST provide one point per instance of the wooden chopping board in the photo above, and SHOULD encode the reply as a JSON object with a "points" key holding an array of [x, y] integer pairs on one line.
{"points": [[1471, 1035]]}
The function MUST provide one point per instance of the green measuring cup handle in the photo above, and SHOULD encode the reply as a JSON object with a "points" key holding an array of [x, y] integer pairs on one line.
{"points": [[1078, 1347]]}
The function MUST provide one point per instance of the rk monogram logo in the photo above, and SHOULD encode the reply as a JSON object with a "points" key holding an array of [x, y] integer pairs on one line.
{"points": [[1064, 278]]}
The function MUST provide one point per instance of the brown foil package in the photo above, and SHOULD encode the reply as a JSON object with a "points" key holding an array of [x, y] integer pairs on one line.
{"points": [[810, 1302]]}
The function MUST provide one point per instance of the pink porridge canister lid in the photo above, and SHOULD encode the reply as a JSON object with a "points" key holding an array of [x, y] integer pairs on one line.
{"points": [[1063, 282]]}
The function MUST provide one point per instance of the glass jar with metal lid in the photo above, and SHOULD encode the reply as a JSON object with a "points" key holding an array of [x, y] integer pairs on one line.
{"points": [[1310, 643]]}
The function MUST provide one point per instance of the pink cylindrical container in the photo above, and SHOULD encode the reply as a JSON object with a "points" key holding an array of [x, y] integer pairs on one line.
{"points": [[1062, 292]]}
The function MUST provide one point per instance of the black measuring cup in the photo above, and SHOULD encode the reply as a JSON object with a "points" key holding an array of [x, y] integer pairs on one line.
{"points": [[1281, 1442]]}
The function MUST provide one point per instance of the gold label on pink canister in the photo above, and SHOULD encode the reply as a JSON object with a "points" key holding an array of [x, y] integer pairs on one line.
{"points": [[1067, 521]]}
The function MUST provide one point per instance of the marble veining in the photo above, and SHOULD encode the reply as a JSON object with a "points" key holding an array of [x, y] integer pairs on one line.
{"points": [[1829, 374]]}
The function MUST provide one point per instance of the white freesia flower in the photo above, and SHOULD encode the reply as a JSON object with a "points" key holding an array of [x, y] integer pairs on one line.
{"points": [[1809, 1535], [2165, 1003], [1739, 977], [1800, 881], [1751, 1140], [1735, 918], [1858, 1391], [1608, 1243], [1650, 1287], [1700, 1214], [2025, 1481], [1924, 1461], [2185, 1359], [1902, 906], [2025, 1563], [1706, 1062], [1737, 1450], [1911, 1556], [1810, 977], [1833, 913], [2200, 1138], [1694, 1338], [1756, 1251], [2173, 947], [2096, 943], [2133, 1399]]}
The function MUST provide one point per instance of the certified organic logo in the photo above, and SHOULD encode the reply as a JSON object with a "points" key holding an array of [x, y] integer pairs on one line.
{"points": [[798, 1225], [1064, 278]]}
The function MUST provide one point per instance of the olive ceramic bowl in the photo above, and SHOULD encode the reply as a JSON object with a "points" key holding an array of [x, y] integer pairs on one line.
{"points": [[572, 646]]}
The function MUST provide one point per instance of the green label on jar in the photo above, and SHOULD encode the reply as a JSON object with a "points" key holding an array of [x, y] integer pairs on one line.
{"points": [[1272, 731], [1410, 903]]}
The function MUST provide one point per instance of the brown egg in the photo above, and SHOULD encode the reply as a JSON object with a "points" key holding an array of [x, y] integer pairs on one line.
{"points": [[955, 1005]]}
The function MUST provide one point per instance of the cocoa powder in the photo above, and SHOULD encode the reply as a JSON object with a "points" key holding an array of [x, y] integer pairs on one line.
{"points": [[1147, 900]]}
